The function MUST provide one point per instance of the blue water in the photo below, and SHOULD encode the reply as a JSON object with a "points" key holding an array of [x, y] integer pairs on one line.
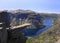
{"points": [[48, 22], [35, 32]]}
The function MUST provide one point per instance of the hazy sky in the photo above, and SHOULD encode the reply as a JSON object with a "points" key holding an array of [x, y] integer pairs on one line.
{"points": [[37, 5]]}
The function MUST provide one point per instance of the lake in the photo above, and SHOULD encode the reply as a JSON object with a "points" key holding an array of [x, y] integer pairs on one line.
{"points": [[48, 22]]}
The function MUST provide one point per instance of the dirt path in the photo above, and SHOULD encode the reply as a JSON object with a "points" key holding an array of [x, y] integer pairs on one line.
{"points": [[58, 41], [19, 26]]}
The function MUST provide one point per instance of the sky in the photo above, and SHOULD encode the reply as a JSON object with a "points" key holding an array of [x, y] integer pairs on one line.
{"points": [[35, 5]]}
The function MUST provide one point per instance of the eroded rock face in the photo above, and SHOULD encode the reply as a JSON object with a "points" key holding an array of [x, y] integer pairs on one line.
{"points": [[9, 36], [16, 36], [35, 19]]}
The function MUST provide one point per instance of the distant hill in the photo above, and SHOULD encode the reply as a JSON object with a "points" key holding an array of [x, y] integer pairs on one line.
{"points": [[18, 17]]}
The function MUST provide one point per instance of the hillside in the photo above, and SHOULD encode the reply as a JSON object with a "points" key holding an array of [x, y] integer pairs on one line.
{"points": [[18, 17], [49, 36]]}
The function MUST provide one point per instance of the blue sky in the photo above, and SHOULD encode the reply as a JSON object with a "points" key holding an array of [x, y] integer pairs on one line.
{"points": [[35, 5]]}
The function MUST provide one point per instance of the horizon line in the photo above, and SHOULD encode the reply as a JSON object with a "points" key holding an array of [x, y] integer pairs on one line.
{"points": [[37, 11]]}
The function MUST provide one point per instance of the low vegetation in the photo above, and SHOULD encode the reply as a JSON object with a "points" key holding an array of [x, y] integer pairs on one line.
{"points": [[50, 36]]}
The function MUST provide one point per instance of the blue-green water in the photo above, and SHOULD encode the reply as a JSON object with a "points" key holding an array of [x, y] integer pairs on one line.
{"points": [[35, 32], [48, 22]]}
